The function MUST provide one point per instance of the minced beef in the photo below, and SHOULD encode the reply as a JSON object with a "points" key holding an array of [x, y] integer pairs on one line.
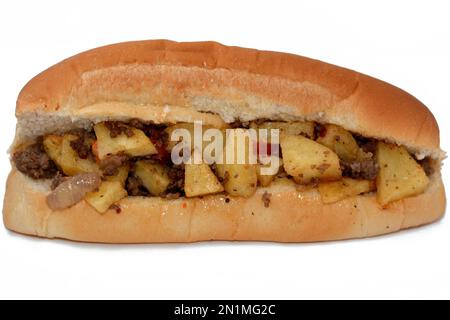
{"points": [[158, 136], [83, 144], [134, 186], [427, 165], [364, 169], [34, 162], [319, 130], [176, 175], [116, 128]]}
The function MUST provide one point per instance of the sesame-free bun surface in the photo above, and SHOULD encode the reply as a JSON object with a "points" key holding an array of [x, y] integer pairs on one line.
{"points": [[292, 216], [168, 82]]}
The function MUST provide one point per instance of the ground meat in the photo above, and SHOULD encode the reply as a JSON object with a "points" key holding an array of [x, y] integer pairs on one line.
{"points": [[83, 145], [365, 169], [266, 198], [138, 124], [319, 130], [171, 196], [158, 137], [176, 175], [111, 163], [57, 180], [368, 145], [134, 186], [116, 208], [427, 165], [34, 162], [116, 128]]}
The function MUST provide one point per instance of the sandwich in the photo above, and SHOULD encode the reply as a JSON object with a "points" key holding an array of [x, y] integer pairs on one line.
{"points": [[103, 149]]}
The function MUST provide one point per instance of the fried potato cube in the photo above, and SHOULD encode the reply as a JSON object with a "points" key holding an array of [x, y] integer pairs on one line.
{"points": [[340, 141], [399, 176], [239, 179], [53, 147], [200, 180], [306, 160], [291, 128], [70, 162], [136, 145], [154, 176], [108, 193], [338, 190], [121, 175], [60, 151]]}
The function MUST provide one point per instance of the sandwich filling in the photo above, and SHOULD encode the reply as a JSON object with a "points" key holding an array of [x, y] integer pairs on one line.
{"points": [[115, 159]]}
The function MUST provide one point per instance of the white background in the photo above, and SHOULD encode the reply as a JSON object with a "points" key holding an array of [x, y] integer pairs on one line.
{"points": [[405, 43]]}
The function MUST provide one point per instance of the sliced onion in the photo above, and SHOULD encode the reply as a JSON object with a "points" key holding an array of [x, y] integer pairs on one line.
{"points": [[73, 190]]}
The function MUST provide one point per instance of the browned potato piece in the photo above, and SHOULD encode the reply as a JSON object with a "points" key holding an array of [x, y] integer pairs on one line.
{"points": [[70, 162], [291, 128], [199, 180], [108, 193], [265, 179], [338, 190], [121, 176], [53, 147], [400, 176], [238, 179], [154, 177], [59, 150], [306, 160], [136, 145], [340, 141]]}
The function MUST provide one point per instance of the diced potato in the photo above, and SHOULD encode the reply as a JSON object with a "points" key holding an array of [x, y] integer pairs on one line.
{"points": [[108, 193], [136, 145], [60, 151], [338, 190], [340, 141], [306, 160], [400, 176], [199, 180], [239, 179], [154, 176], [70, 162], [265, 179], [121, 175], [291, 128], [53, 147]]}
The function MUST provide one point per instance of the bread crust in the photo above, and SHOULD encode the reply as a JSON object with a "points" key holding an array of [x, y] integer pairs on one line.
{"points": [[168, 82], [148, 79], [292, 216]]}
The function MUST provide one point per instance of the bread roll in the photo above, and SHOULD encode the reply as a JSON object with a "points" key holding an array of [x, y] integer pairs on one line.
{"points": [[168, 82]]}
